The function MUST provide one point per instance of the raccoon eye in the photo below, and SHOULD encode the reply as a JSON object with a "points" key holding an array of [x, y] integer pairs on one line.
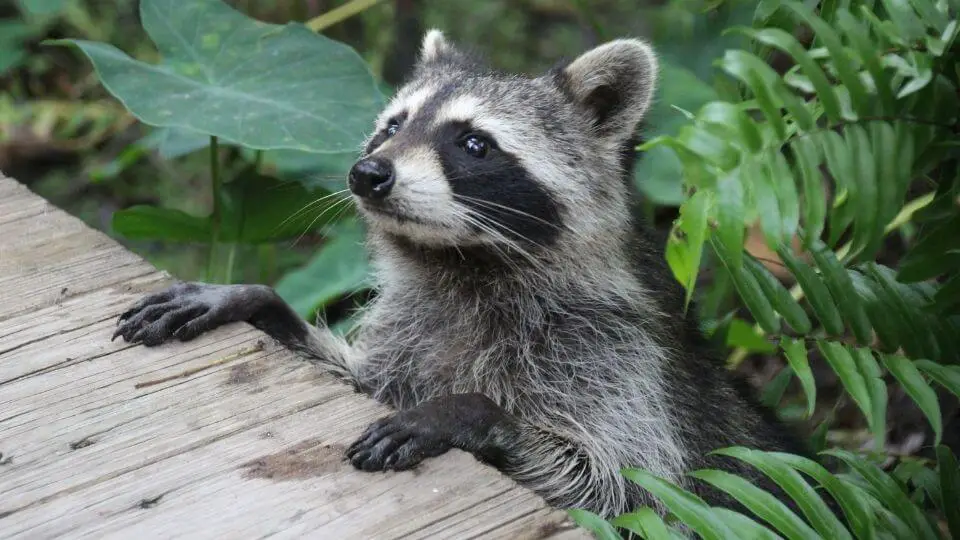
{"points": [[475, 145], [393, 126]]}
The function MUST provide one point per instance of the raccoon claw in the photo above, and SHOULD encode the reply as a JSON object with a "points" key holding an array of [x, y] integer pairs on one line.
{"points": [[399, 442], [183, 311]]}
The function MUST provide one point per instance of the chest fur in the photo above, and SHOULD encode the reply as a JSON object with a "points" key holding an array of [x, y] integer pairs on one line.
{"points": [[417, 349]]}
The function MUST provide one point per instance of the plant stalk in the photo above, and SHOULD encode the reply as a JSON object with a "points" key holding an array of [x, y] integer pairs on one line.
{"points": [[231, 258], [339, 14], [215, 215]]}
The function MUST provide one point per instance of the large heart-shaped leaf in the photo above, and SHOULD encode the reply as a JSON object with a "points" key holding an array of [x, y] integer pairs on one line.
{"points": [[260, 85]]}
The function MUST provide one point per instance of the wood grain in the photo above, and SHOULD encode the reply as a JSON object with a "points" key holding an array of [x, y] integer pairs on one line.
{"points": [[250, 447]]}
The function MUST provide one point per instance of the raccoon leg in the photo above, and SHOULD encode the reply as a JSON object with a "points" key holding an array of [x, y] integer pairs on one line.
{"points": [[559, 470], [186, 310]]}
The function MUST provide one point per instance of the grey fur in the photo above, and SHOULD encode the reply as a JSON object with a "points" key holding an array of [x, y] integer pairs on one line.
{"points": [[579, 344]]}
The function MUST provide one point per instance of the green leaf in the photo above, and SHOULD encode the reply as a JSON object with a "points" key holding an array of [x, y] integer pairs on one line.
{"points": [[759, 77], [872, 377], [42, 7], [341, 267], [948, 295], [644, 522], [903, 16], [259, 209], [762, 504], [732, 120], [889, 493], [867, 53], [260, 85], [172, 143], [838, 155], [746, 528], [853, 380], [850, 498], [601, 528], [730, 218], [916, 339], [742, 334], [779, 297], [889, 200], [750, 291], [709, 147], [693, 223], [864, 195], [846, 71], [152, 223], [12, 35], [773, 391], [795, 351], [930, 256], [787, 197], [821, 301], [841, 288], [917, 388], [949, 488], [784, 41], [764, 185], [807, 155], [947, 376], [809, 502], [689, 508]]}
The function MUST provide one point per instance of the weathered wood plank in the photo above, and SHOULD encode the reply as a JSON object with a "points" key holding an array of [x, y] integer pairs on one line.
{"points": [[48, 257], [247, 447]]}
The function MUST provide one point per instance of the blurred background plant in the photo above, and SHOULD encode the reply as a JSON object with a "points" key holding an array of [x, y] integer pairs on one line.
{"points": [[802, 156]]}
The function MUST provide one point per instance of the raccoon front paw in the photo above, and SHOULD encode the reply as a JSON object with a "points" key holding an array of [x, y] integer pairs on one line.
{"points": [[398, 442], [404, 439], [183, 311]]}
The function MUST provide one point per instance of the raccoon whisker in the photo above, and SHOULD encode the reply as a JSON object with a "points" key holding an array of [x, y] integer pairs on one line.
{"points": [[493, 222], [491, 226], [494, 205], [342, 203], [465, 215], [307, 206], [334, 219]]}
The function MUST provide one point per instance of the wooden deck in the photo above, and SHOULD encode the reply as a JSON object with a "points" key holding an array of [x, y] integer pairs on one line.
{"points": [[249, 447]]}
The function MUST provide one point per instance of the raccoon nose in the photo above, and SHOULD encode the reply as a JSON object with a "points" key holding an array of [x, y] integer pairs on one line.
{"points": [[371, 178]]}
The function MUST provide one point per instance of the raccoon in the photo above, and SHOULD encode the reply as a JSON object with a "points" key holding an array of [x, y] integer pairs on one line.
{"points": [[523, 312]]}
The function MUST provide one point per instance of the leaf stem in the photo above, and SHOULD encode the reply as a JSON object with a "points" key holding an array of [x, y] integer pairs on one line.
{"points": [[231, 257], [339, 14], [906, 214], [215, 215]]}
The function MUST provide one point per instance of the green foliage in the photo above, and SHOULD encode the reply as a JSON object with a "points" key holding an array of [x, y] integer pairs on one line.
{"points": [[341, 267], [872, 502], [305, 99], [852, 141], [12, 34], [259, 85]]}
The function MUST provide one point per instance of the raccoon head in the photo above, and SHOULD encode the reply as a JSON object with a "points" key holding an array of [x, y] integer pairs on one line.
{"points": [[464, 156]]}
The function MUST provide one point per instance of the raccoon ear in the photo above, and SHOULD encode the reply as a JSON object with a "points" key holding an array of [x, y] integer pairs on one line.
{"points": [[435, 46], [615, 82]]}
